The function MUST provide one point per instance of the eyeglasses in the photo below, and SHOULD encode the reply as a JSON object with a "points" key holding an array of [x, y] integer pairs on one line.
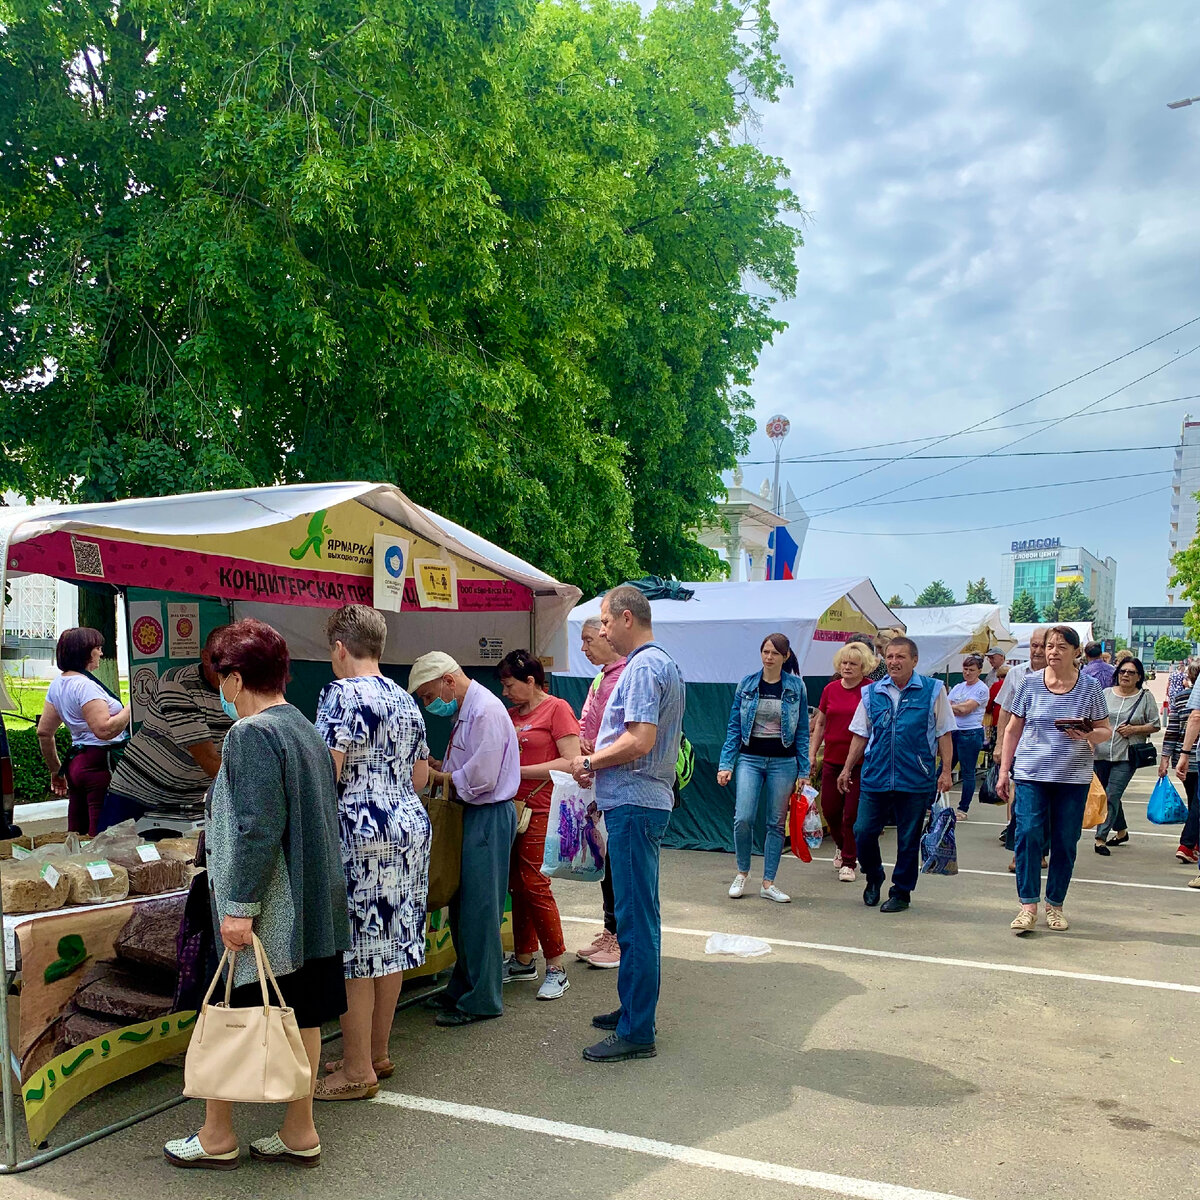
{"points": [[1130, 671]]}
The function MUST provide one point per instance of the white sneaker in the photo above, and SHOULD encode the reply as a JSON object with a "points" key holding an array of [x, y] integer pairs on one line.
{"points": [[773, 893], [556, 982], [847, 875], [737, 887], [837, 860]]}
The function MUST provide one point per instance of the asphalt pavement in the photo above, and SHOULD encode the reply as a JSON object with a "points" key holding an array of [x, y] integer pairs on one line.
{"points": [[893, 1057]]}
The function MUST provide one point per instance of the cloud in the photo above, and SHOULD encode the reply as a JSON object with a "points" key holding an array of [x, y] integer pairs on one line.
{"points": [[1000, 201]]}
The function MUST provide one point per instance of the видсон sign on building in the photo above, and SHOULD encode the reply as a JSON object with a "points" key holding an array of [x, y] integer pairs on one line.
{"points": [[1036, 544]]}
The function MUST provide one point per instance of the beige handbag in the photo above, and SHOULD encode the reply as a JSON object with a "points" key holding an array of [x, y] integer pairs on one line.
{"points": [[247, 1055]]}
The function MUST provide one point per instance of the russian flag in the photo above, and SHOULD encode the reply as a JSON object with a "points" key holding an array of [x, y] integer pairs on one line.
{"points": [[782, 553]]}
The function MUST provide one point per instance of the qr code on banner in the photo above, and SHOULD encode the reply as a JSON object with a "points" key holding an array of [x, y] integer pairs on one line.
{"points": [[87, 559]]}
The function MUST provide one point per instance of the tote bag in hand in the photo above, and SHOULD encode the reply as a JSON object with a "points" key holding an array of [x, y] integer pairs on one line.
{"points": [[445, 851], [247, 1055], [1166, 806], [576, 839]]}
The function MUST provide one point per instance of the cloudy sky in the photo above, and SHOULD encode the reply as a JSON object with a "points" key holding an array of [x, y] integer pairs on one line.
{"points": [[1000, 200]]}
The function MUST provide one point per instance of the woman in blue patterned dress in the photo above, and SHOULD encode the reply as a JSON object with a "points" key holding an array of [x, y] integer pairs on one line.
{"points": [[376, 734]]}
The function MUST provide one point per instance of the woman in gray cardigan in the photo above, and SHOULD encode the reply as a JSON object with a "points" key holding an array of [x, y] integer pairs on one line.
{"points": [[275, 869]]}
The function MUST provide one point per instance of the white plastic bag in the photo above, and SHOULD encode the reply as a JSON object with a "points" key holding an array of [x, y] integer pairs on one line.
{"points": [[576, 840], [736, 943], [814, 830]]}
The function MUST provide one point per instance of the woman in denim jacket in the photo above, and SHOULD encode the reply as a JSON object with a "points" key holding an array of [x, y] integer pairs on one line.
{"points": [[767, 749]]}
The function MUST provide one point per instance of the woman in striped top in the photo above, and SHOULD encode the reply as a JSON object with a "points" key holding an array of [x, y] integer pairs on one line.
{"points": [[1053, 771]]}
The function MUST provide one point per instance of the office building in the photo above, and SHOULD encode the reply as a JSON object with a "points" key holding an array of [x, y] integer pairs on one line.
{"points": [[1185, 510], [1147, 625], [1044, 566]]}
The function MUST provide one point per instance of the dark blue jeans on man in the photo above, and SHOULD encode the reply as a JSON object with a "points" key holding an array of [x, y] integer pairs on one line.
{"points": [[908, 810], [1062, 804], [967, 745], [634, 840]]}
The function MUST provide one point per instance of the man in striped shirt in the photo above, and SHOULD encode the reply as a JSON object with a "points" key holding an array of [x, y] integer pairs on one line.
{"points": [[176, 753]]}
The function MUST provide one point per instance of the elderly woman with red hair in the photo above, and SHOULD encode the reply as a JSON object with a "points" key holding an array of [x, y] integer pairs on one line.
{"points": [[275, 870]]}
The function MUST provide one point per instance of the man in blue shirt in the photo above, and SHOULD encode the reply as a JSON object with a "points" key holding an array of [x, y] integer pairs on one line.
{"points": [[1096, 667], [902, 725], [633, 769]]}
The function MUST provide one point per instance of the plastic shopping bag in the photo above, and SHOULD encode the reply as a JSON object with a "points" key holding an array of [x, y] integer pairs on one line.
{"points": [[798, 807], [814, 829], [939, 851], [576, 840], [1096, 811], [987, 789], [1166, 806]]}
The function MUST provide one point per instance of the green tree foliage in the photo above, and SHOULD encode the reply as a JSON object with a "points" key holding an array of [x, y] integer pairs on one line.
{"points": [[1187, 579], [1171, 649], [501, 252], [978, 592], [1023, 608], [894, 601], [935, 595], [1070, 604]]}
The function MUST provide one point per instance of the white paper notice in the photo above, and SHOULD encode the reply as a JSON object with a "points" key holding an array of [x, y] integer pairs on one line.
{"points": [[50, 875], [183, 630], [143, 683], [147, 638], [391, 566], [148, 853], [99, 869]]}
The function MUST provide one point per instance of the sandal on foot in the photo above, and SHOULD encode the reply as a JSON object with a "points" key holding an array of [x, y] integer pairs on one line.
{"points": [[1024, 921], [384, 1067], [1055, 919], [345, 1091], [275, 1149], [190, 1154]]}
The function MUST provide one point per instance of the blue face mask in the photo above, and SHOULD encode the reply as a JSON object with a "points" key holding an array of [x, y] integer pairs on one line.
{"points": [[230, 711], [442, 708]]}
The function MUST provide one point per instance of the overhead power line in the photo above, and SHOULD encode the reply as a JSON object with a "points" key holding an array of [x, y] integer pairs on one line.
{"points": [[1013, 408], [944, 457], [1024, 521]]}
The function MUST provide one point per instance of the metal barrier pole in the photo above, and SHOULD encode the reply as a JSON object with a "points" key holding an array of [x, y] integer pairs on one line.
{"points": [[9, 1098]]}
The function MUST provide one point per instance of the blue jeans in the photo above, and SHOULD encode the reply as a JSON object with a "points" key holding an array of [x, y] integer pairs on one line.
{"points": [[909, 810], [967, 745], [754, 778], [634, 839], [1062, 804]]}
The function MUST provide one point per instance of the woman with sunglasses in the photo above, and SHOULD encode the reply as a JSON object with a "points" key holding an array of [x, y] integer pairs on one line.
{"points": [[1133, 715]]}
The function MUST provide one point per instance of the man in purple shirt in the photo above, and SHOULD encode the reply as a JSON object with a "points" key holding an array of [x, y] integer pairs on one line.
{"points": [[1096, 667], [483, 760]]}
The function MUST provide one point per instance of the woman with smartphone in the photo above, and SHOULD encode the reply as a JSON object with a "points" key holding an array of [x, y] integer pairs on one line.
{"points": [[1058, 716]]}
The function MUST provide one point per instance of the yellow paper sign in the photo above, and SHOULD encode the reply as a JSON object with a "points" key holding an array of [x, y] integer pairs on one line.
{"points": [[437, 583]]}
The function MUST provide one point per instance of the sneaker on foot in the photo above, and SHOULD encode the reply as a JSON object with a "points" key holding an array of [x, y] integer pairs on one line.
{"points": [[515, 971], [737, 887], [773, 893], [1187, 854], [1194, 882], [847, 875], [555, 984], [586, 952], [1024, 921], [837, 860], [608, 954]]}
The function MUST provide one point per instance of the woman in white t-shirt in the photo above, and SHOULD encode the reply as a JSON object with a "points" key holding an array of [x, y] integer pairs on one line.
{"points": [[95, 719], [1058, 717], [969, 700]]}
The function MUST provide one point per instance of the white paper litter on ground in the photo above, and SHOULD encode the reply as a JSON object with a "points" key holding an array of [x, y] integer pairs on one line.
{"points": [[736, 943]]}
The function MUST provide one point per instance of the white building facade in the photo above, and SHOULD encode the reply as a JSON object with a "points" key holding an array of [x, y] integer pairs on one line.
{"points": [[1044, 566], [1185, 510]]}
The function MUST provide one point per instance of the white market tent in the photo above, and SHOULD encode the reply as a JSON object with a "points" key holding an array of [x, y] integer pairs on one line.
{"points": [[1022, 629], [945, 635], [716, 635], [289, 555]]}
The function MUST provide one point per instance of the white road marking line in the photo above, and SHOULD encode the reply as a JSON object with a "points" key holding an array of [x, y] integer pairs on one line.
{"points": [[1161, 985], [753, 1168]]}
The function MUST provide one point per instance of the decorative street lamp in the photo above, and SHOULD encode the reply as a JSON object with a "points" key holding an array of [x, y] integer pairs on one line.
{"points": [[777, 428]]}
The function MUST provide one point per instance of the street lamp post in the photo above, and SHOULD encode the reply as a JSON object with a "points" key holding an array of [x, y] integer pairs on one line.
{"points": [[1184, 102], [778, 428]]}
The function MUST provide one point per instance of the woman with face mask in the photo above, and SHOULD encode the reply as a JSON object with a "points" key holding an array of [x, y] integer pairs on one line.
{"points": [[275, 870]]}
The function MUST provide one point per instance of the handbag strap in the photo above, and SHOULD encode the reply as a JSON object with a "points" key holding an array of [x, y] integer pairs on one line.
{"points": [[264, 971]]}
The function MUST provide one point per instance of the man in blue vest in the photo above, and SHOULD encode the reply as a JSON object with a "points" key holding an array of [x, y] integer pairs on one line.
{"points": [[902, 724]]}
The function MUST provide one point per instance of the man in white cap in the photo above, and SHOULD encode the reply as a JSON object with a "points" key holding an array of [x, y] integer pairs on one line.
{"points": [[483, 760], [995, 657]]}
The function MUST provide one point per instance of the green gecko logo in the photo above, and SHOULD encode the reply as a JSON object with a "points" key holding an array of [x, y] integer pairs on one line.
{"points": [[317, 532]]}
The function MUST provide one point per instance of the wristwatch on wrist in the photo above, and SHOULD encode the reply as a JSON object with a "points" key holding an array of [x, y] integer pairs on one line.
{"points": [[587, 765]]}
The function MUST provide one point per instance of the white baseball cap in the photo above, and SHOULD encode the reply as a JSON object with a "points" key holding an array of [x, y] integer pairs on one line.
{"points": [[429, 667]]}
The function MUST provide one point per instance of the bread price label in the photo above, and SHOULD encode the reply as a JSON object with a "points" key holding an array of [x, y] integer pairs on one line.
{"points": [[20, 852], [99, 870], [50, 875], [148, 853]]}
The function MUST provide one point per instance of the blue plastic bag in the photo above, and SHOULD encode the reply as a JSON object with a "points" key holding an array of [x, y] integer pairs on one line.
{"points": [[939, 852], [576, 840], [1166, 806]]}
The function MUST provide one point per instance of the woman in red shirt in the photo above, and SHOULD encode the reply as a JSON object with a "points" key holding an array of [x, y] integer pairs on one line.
{"points": [[831, 726], [548, 736]]}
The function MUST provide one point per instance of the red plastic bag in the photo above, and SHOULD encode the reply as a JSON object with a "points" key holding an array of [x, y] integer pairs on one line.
{"points": [[798, 807]]}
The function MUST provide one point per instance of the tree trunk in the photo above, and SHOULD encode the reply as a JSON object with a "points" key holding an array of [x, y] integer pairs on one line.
{"points": [[98, 610]]}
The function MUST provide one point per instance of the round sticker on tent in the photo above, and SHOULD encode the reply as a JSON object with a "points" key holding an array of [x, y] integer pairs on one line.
{"points": [[143, 685], [147, 635], [184, 627], [393, 562]]}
